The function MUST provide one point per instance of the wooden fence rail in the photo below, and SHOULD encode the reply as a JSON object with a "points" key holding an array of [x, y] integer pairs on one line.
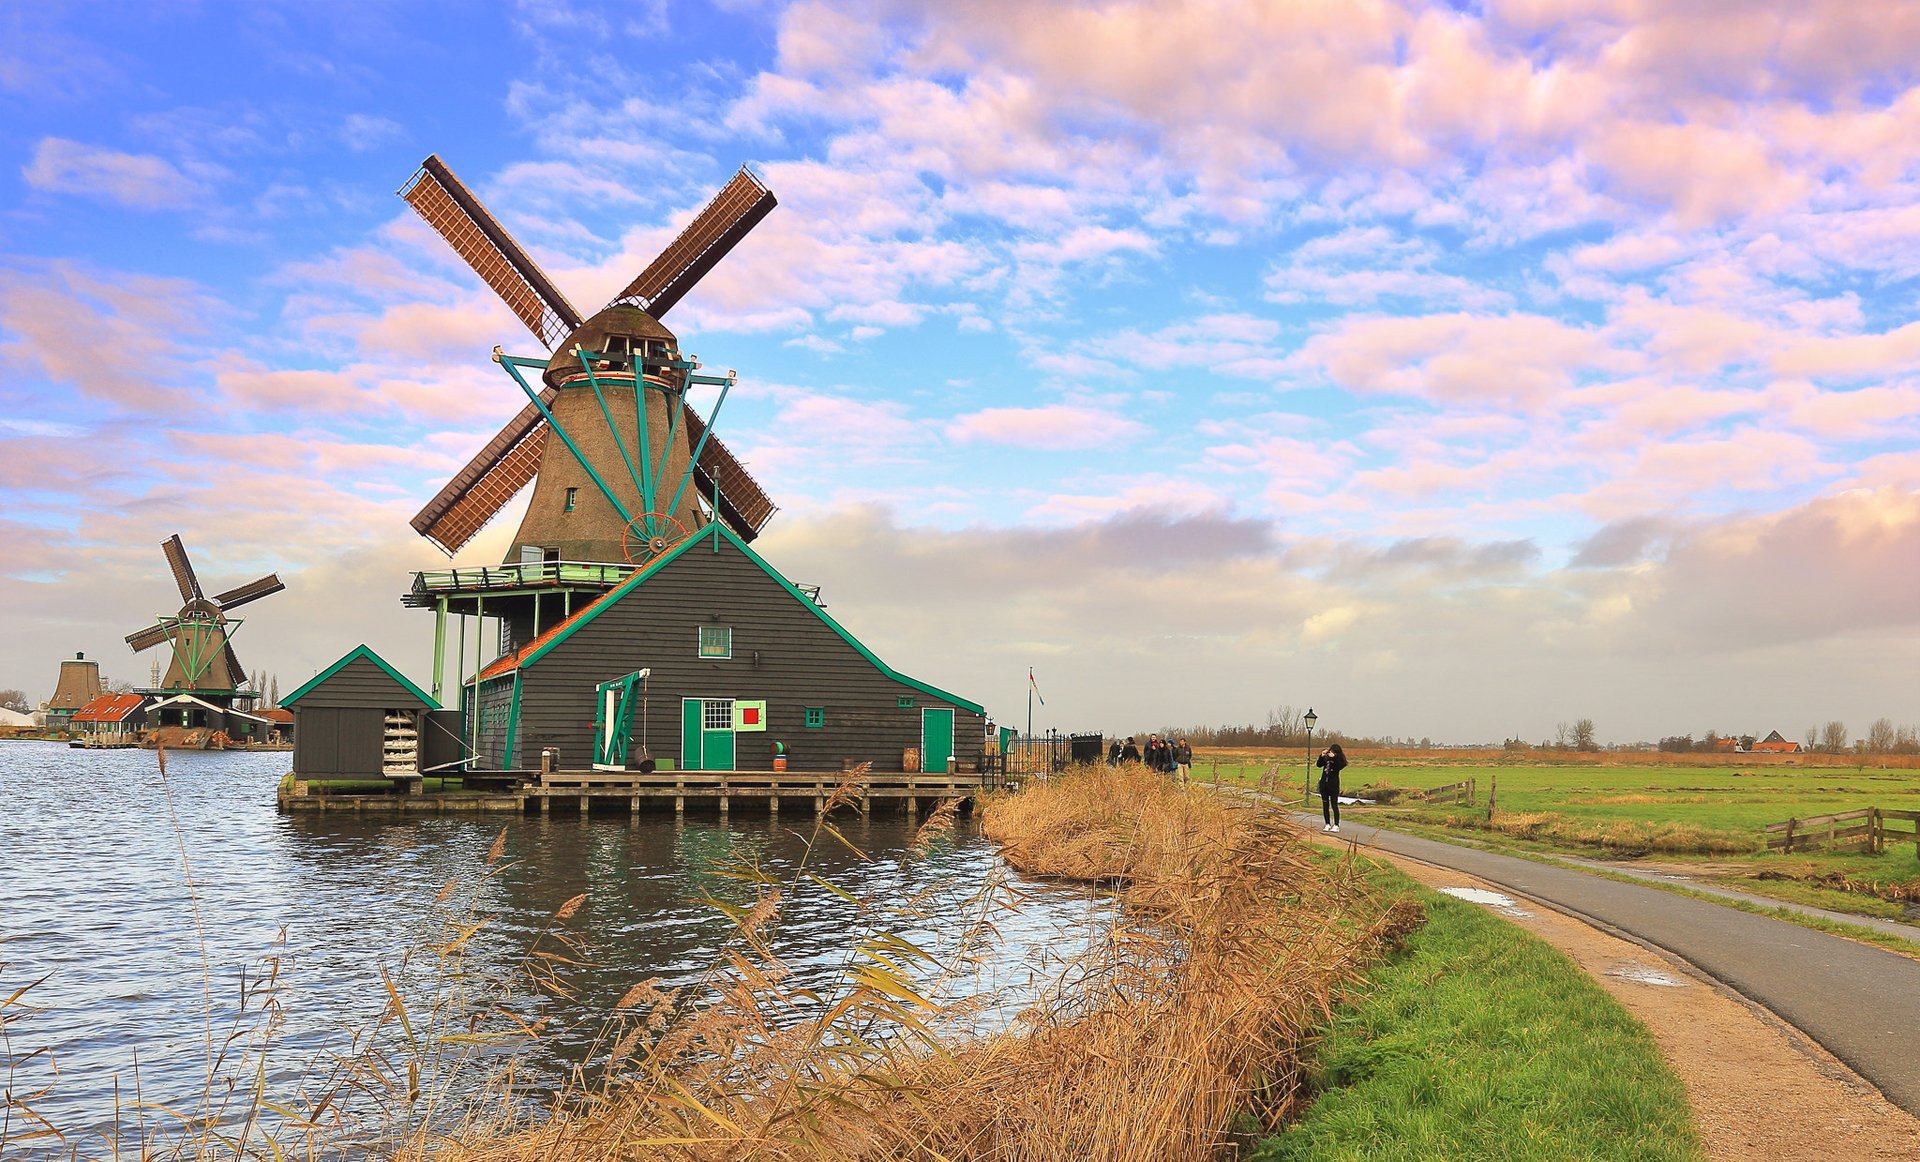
{"points": [[1462, 792], [1865, 829]]}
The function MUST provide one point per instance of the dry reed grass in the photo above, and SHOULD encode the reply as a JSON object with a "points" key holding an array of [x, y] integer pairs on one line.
{"points": [[1193, 1011]]}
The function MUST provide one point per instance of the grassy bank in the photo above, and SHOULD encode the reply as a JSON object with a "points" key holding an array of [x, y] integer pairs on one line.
{"points": [[1480, 1041], [1706, 815]]}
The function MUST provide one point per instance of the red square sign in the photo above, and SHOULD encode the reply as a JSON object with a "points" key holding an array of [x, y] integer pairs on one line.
{"points": [[750, 716]]}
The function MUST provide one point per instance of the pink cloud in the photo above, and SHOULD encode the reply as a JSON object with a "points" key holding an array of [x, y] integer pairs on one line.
{"points": [[139, 181], [1852, 356], [1516, 360], [1055, 426]]}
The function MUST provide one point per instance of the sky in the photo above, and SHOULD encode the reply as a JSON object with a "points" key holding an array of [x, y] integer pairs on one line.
{"points": [[1457, 370]]}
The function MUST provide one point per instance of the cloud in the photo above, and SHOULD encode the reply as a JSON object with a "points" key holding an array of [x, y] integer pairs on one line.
{"points": [[1517, 360], [137, 181], [1061, 426]]}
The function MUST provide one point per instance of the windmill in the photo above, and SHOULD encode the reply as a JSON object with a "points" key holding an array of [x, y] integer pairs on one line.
{"points": [[620, 466], [201, 632]]}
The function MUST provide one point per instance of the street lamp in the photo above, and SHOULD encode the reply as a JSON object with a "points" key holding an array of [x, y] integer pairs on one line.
{"points": [[1309, 718]]}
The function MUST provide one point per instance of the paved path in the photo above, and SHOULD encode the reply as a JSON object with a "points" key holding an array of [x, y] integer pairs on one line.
{"points": [[1861, 1003]]}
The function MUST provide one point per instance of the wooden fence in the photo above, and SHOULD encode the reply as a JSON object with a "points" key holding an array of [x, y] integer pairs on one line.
{"points": [[1865, 829], [1451, 793]]}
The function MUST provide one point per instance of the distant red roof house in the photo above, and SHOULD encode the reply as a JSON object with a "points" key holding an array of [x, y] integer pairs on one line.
{"points": [[109, 709], [1774, 744], [1726, 744]]}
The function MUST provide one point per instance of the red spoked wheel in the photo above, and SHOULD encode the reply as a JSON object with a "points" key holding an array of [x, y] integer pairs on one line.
{"points": [[649, 535]]}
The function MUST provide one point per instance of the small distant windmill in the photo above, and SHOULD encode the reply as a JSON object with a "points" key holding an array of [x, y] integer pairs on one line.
{"points": [[619, 464], [201, 632]]}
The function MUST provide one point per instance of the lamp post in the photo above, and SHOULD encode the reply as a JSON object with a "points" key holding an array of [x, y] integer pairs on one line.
{"points": [[1309, 718]]}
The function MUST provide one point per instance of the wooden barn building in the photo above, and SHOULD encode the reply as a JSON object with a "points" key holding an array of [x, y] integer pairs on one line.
{"points": [[115, 717], [362, 719], [741, 667]]}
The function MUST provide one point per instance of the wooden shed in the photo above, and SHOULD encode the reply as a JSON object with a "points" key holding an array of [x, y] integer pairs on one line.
{"points": [[358, 718], [741, 667]]}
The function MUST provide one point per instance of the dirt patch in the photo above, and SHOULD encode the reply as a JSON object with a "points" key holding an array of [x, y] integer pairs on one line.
{"points": [[1759, 1089]]}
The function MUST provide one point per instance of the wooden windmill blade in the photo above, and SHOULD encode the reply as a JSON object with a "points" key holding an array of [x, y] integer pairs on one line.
{"points": [[252, 591], [492, 478], [457, 216], [147, 638], [182, 568], [236, 676], [743, 504], [732, 213]]}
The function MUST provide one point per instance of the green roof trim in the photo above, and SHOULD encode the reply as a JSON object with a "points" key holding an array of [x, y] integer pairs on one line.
{"points": [[357, 652], [719, 528]]}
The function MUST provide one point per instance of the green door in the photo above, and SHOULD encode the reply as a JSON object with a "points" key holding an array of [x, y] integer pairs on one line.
{"points": [[936, 740], [706, 734], [690, 734]]}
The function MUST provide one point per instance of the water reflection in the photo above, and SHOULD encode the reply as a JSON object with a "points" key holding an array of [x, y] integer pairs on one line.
{"points": [[93, 891]]}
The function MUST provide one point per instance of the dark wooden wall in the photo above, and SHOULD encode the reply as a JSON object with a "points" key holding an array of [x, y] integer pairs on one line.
{"points": [[337, 742], [782, 653]]}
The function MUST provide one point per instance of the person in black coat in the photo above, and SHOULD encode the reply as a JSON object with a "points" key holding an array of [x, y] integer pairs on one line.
{"points": [[1130, 753], [1331, 762], [1114, 753]]}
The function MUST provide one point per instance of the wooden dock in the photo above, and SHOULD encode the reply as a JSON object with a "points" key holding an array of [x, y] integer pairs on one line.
{"points": [[586, 792]]}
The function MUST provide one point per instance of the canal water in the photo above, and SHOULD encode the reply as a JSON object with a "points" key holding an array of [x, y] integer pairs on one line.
{"points": [[149, 901]]}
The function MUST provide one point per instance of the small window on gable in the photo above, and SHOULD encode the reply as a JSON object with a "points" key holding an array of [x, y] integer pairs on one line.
{"points": [[573, 496], [619, 345], [816, 716], [904, 702], [716, 641]]}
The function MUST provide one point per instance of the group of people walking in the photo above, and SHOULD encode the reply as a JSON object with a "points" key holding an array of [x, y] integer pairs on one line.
{"points": [[1166, 755]]}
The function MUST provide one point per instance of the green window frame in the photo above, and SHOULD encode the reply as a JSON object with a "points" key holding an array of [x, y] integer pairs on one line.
{"points": [[573, 494], [716, 641], [816, 717], [904, 702]]}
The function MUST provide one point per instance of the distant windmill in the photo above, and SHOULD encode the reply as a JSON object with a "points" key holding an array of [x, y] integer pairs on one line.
{"points": [[201, 632], [631, 463]]}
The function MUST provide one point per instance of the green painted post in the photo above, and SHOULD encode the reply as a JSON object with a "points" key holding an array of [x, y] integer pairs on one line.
{"points": [[439, 648]]}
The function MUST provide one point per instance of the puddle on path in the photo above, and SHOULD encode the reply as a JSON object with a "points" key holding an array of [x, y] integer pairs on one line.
{"points": [[1491, 899], [1643, 974]]}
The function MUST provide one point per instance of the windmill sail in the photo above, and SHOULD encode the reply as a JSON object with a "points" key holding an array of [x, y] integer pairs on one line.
{"points": [[451, 209], [252, 591], [146, 639], [735, 210], [492, 478], [182, 568], [744, 505]]}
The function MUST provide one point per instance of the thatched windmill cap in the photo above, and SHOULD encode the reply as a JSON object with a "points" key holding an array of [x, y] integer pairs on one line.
{"points": [[629, 322]]}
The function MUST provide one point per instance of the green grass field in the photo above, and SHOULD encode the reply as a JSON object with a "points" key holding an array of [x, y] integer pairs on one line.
{"points": [[1481, 1041], [1711, 816]]}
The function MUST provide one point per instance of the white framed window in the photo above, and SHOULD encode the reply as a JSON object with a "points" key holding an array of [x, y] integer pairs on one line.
{"points": [[716, 641], [716, 714]]}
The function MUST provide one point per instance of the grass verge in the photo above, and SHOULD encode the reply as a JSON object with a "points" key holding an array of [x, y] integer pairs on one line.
{"points": [[1478, 1040]]}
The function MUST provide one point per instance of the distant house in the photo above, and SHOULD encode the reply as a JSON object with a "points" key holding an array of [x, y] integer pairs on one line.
{"points": [[1774, 744], [111, 714], [1726, 744]]}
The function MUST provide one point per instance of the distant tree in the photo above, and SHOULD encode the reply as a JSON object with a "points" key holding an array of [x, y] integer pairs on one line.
{"points": [[1562, 735], [14, 700], [1833, 737], [1747, 741], [1677, 744], [273, 685], [1880, 736], [1425, 742], [1583, 735], [1812, 739], [1906, 740], [118, 686], [1709, 741]]}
